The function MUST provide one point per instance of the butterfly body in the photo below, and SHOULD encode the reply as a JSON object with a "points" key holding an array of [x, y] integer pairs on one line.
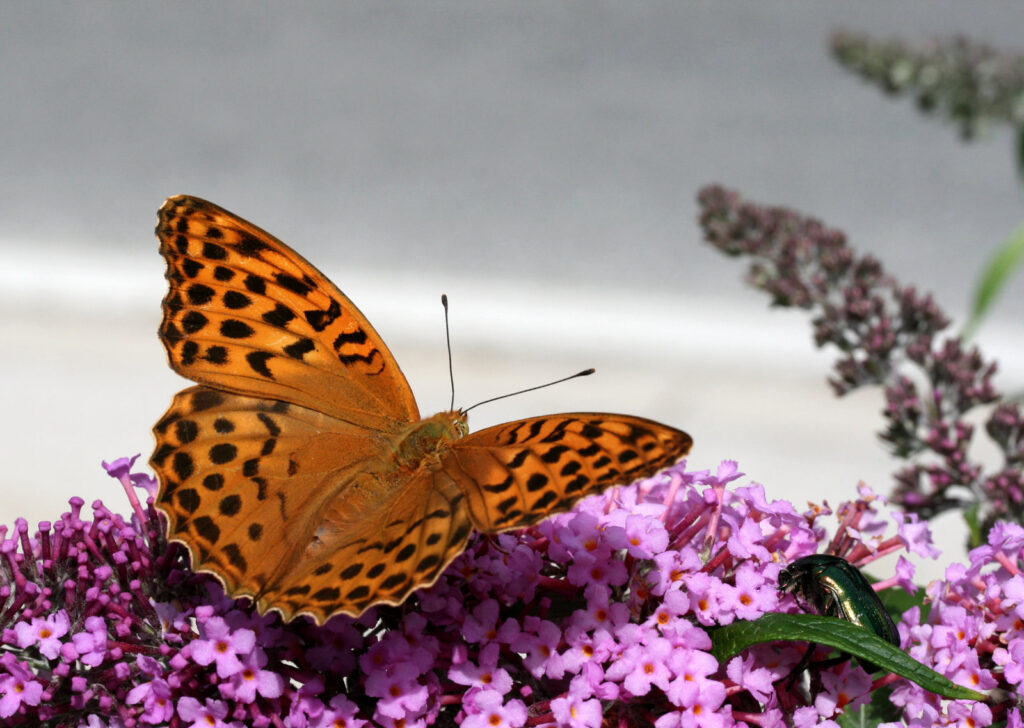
{"points": [[421, 443], [299, 471]]}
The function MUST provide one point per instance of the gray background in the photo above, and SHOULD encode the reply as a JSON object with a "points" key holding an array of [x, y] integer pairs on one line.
{"points": [[536, 161]]}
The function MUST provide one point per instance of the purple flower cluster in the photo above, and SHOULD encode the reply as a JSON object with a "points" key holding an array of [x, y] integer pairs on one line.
{"points": [[597, 617], [973, 633], [882, 329], [970, 83]]}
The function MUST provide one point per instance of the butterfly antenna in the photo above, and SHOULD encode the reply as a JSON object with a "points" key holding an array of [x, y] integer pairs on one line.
{"points": [[584, 373], [448, 339]]}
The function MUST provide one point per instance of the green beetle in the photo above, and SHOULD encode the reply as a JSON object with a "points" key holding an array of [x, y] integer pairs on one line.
{"points": [[836, 588]]}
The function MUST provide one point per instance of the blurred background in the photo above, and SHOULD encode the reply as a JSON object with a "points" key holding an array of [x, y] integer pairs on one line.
{"points": [[538, 162]]}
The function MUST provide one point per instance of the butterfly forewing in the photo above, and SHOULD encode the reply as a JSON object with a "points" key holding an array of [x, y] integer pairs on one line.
{"points": [[246, 313], [300, 473], [521, 472]]}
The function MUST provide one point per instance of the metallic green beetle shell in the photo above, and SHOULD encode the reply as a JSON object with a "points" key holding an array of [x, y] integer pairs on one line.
{"points": [[835, 587]]}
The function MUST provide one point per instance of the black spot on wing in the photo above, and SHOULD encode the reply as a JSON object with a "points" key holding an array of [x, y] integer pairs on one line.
{"points": [[199, 294], [191, 267], [546, 500], [320, 319], [193, 321], [327, 594], [360, 592], [230, 505], [256, 284], [291, 283], [537, 481], [223, 274], [236, 300], [222, 453], [214, 251], [183, 465], [186, 431], [235, 329], [279, 316], [223, 426], [250, 246], [351, 571], [189, 352], [269, 423], [188, 499], [394, 581], [257, 361], [298, 349], [207, 529], [216, 354]]}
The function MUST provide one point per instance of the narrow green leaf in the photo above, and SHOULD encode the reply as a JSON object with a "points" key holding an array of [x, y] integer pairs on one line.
{"points": [[973, 520], [731, 639], [1020, 154], [993, 279]]}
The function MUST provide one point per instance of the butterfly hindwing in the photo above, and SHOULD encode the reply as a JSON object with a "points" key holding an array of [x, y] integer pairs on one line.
{"points": [[245, 480], [368, 556], [260, 494], [518, 473], [248, 314]]}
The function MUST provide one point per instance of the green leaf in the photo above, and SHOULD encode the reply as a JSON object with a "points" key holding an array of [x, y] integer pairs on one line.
{"points": [[975, 537], [897, 601], [880, 710], [993, 279], [733, 638]]}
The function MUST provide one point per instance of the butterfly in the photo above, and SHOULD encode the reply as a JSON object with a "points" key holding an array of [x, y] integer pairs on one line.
{"points": [[299, 472]]}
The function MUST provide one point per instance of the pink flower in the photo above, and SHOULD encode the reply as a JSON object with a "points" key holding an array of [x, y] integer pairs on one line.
{"points": [[597, 567], [252, 680], [915, 534], [211, 714], [758, 681], [841, 687], [540, 640], [44, 633], [222, 645], [491, 711], [642, 666], [397, 690], [91, 644], [576, 712], [641, 536], [754, 594], [692, 687], [482, 624], [486, 674], [18, 687], [342, 712]]}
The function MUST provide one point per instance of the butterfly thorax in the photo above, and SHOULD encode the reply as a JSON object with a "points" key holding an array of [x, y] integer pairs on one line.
{"points": [[422, 442]]}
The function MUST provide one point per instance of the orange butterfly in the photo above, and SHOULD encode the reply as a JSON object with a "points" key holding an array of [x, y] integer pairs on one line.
{"points": [[299, 472]]}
